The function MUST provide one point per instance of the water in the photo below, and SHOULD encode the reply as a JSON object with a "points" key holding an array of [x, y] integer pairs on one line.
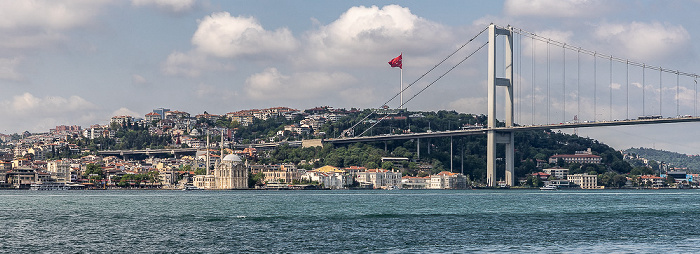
{"points": [[414, 221]]}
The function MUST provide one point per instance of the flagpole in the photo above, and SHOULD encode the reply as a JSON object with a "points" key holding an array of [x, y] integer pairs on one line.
{"points": [[401, 85]]}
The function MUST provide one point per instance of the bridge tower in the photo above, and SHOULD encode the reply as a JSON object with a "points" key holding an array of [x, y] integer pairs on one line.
{"points": [[495, 137]]}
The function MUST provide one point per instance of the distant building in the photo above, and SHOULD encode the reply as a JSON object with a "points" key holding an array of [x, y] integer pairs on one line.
{"points": [[231, 173], [329, 176], [585, 181], [557, 172], [161, 112], [59, 170], [122, 120], [379, 178], [412, 182], [448, 180], [153, 116], [581, 157]]}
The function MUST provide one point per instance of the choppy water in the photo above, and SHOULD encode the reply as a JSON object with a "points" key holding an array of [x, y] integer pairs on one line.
{"points": [[350, 221]]}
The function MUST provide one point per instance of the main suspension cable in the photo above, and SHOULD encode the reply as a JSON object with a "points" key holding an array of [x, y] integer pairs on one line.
{"points": [[426, 87], [414, 82]]}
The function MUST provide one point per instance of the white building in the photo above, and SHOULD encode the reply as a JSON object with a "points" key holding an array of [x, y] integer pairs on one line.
{"points": [[559, 173], [448, 180], [60, 170], [231, 173], [585, 181], [379, 178], [412, 182]]}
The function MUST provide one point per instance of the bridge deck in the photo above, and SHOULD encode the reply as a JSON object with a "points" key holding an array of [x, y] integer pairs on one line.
{"points": [[482, 131]]}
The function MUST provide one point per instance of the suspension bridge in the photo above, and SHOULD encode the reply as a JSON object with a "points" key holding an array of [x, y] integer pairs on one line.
{"points": [[556, 102]]}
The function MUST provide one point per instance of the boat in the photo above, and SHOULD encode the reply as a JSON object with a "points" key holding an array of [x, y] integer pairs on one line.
{"points": [[53, 186], [190, 187], [549, 187]]}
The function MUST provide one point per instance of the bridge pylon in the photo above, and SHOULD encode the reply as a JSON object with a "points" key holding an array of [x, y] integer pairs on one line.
{"points": [[495, 137]]}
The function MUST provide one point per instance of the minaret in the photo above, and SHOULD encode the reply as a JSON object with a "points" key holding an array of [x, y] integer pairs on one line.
{"points": [[221, 159], [208, 173]]}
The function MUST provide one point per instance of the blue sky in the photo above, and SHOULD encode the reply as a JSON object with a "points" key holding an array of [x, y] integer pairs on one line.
{"points": [[81, 62]]}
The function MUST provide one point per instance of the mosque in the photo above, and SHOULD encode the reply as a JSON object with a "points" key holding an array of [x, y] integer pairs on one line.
{"points": [[230, 173]]}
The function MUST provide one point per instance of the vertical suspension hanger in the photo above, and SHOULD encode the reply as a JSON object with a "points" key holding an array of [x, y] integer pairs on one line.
{"points": [[595, 87], [644, 67], [563, 81], [578, 84], [627, 89], [548, 104], [627, 73], [533, 79], [611, 83], [660, 91], [678, 105]]}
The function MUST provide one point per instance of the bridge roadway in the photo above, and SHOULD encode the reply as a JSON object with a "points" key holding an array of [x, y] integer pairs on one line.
{"points": [[482, 131]]}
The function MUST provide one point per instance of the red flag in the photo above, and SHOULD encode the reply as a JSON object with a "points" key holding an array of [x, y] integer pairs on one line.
{"points": [[396, 62]]}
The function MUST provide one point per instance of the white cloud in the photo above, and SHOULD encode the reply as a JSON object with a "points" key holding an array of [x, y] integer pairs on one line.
{"points": [[47, 14], [38, 23], [174, 6], [365, 36], [470, 105], [125, 112], [191, 64], [8, 69], [541, 46], [222, 35], [556, 8], [645, 41], [615, 86], [271, 84], [138, 79], [28, 112], [206, 91]]}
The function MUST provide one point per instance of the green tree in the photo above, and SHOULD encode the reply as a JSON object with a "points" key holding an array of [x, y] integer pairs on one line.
{"points": [[387, 165]]}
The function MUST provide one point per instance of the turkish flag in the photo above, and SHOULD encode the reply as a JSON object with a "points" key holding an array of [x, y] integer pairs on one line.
{"points": [[396, 62]]}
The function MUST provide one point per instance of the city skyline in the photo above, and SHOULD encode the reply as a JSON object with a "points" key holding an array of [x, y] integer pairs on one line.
{"points": [[80, 63]]}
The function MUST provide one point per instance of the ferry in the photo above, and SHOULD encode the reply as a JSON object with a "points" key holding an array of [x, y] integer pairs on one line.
{"points": [[549, 187], [190, 187], [49, 186]]}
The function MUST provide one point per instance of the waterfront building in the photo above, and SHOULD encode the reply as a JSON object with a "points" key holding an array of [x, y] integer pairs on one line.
{"points": [[329, 176], [205, 182], [557, 172], [379, 178], [285, 174], [585, 181], [231, 173], [60, 170], [650, 180], [414, 182], [580, 157], [448, 180]]}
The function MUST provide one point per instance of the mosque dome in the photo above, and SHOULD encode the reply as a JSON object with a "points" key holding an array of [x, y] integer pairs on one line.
{"points": [[233, 158]]}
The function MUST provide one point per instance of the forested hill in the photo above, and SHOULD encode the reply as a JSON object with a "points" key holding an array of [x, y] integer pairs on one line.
{"points": [[469, 152], [671, 158]]}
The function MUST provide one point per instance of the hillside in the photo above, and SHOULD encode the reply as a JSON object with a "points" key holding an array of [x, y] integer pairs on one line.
{"points": [[673, 159]]}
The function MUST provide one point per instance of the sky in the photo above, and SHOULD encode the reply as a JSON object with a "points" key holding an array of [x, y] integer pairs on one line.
{"points": [[80, 62]]}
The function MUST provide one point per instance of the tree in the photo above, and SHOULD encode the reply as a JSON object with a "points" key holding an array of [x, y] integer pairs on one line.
{"points": [[371, 165], [93, 170], [200, 171], [387, 165]]}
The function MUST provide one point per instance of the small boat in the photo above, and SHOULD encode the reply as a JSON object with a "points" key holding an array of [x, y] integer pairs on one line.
{"points": [[549, 187], [190, 187]]}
